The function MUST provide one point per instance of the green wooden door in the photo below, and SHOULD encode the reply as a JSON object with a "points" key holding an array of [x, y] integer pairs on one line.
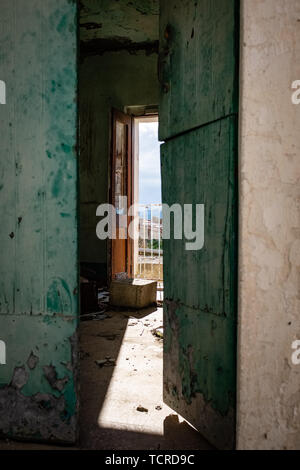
{"points": [[198, 122], [38, 231]]}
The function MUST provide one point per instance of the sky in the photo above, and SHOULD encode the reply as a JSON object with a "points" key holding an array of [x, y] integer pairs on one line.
{"points": [[149, 164]]}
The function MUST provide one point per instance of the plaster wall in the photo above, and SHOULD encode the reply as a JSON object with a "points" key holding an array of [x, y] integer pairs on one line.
{"points": [[269, 252]]}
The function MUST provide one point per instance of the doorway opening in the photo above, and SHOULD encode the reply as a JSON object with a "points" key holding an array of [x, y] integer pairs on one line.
{"points": [[121, 347], [148, 249], [135, 193]]}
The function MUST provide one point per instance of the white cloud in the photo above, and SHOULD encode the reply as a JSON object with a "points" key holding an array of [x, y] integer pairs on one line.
{"points": [[149, 164]]}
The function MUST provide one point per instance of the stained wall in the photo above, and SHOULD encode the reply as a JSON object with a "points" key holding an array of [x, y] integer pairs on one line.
{"points": [[269, 251]]}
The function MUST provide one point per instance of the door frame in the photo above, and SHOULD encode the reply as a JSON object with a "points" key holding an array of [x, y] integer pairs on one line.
{"points": [[117, 115], [132, 176], [153, 117]]}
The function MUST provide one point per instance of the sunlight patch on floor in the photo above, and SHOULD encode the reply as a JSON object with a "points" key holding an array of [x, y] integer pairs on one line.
{"points": [[137, 381]]}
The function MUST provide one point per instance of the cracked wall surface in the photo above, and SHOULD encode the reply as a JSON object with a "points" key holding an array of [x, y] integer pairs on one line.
{"points": [[269, 384], [198, 121], [38, 385]]}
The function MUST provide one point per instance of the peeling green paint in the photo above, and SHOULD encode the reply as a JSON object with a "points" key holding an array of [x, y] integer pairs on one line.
{"points": [[198, 120], [38, 269], [199, 39], [136, 20], [200, 312], [28, 389]]}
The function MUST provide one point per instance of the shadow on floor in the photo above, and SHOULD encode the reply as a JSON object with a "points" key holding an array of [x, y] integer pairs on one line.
{"points": [[177, 436]]}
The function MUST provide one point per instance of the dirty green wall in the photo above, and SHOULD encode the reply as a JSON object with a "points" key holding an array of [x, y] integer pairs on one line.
{"points": [[114, 79], [134, 21], [199, 54], [38, 231]]}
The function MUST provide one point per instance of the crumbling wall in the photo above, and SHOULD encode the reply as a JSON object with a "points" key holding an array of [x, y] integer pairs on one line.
{"points": [[269, 322], [38, 384]]}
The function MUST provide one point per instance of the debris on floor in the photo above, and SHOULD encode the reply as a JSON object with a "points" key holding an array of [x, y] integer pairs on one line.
{"points": [[142, 409], [94, 296], [121, 276], [84, 354], [103, 298], [107, 362], [158, 332], [100, 362], [94, 316], [109, 337]]}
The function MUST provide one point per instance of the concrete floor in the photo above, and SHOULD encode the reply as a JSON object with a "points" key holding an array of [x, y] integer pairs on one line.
{"points": [[111, 394]]}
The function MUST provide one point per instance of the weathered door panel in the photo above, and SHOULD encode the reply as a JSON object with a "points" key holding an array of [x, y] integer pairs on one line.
{"points": [[198, 61], [198, 120], [121, 192], [199, 286], [200, 168], [38, 232]]}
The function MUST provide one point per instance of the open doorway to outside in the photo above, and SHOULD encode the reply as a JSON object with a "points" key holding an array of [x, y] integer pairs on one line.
{"points": [[148, 249], [137, 249], [135, 192]]}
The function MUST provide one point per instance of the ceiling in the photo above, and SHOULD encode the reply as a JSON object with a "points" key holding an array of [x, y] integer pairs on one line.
{"points": [[122, 21]]}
